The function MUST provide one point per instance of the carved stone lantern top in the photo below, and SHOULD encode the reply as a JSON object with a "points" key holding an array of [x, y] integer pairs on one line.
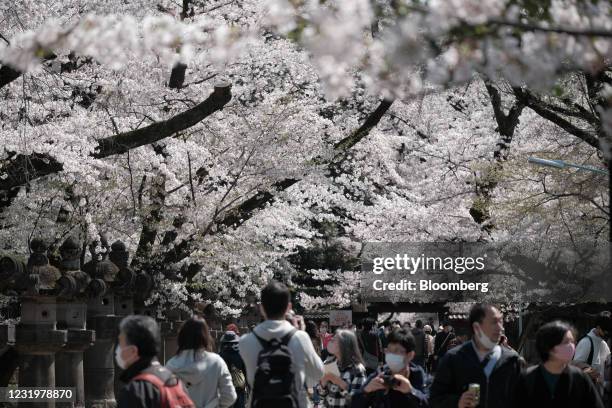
{"points": [[38, 264], [71, 255], [119, 255], [124, 283], [106, 270], [100, 267]]}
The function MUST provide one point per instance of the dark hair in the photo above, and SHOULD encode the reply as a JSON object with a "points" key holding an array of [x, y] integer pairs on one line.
{"points": [[275, 298], [142, 332], [478, 313], [397, 322], [402, 337], [604, 321], [550, 335], [194, 335], [419, 324], [312, 329], [367, 324]]}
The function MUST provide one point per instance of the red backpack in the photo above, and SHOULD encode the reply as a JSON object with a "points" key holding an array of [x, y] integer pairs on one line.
{"points": [[171, 390]]}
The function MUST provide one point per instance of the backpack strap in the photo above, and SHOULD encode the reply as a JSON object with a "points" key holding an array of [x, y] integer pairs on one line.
{"points": [[287, 338], [590, 357], [157, 382], [284, 340], [264, 343], [444, 342]]}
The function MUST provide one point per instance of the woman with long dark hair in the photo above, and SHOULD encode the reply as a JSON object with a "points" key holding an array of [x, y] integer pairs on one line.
{"points": [[230, 354], [204, 373]]}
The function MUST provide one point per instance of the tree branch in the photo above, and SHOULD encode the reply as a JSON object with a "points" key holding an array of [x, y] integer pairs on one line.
{"points": [[560, 30], [123, 142], [23, 168], [247, 209], [541, 108], [8, 75], [20, 170], [364, 130]]}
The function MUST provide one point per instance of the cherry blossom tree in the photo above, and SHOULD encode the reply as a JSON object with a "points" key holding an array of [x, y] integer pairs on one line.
{"points": [[219, 138]]}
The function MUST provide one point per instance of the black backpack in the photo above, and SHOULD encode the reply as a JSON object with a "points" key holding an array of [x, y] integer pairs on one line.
{"points": [[274, 384]]}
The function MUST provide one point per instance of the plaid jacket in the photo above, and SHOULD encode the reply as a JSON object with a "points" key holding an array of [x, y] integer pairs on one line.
{"points": [[333, 396]]}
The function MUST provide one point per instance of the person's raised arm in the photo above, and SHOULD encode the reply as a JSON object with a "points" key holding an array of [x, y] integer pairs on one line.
{"points": [[313, 365]]}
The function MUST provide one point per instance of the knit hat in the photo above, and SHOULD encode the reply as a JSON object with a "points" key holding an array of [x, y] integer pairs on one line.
{"points": [[229, 337]]}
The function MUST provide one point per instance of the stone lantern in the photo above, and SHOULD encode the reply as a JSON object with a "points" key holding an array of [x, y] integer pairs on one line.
{"points": [[123, 289], [37, 338], [73, 289], [125, 279], [99, 366]]}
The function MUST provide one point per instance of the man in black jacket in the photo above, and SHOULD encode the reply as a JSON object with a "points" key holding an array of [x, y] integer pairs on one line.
{"points": [[136, 353], [441, 343], [482, 361]]}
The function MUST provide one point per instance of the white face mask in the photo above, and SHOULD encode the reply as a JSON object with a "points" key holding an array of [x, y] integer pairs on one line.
{"points": [[332, 347], [120, 361], [395, 362], [484, 340]]}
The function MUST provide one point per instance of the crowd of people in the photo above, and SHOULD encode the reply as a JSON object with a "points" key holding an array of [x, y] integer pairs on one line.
{"points": [[286, 362]]}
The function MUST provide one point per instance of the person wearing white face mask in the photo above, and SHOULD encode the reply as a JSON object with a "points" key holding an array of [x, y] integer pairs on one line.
{"points": [[144, 377], [400, 383], [555, 382], [344, 371], [482, 361]]}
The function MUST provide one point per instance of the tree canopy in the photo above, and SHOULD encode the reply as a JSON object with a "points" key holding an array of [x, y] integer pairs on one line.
{"points": [[226, 141]]}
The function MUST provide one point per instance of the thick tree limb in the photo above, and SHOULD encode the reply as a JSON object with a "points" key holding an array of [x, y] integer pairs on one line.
{"points": [[155, 132], [20, 170], [246, 209], [23, 169], [364, 130], [541, 108], [8, 75], [506, 125]]}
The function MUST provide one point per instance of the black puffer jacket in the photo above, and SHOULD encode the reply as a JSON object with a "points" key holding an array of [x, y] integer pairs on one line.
{"points": [[461, 367], [140, 393], [574, 389]]}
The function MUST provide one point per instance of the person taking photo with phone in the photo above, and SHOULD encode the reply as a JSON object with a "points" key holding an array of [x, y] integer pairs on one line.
{"points": [[400, 383]]}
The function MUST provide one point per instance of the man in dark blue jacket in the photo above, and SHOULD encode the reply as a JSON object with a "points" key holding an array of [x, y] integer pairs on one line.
{"points": [[400, 383], [482, 361]]}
